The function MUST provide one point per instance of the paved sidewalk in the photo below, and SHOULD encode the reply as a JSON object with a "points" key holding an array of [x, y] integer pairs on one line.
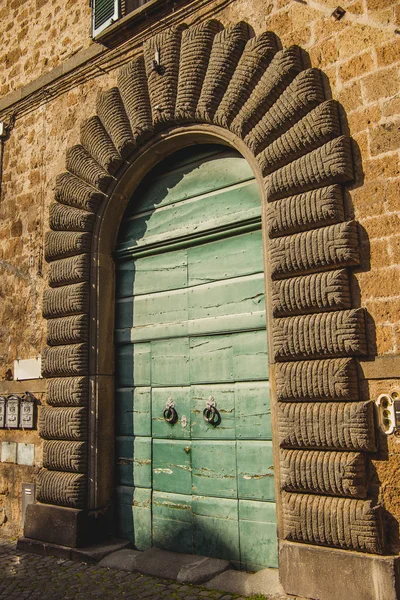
{"points": [[26, 576]]}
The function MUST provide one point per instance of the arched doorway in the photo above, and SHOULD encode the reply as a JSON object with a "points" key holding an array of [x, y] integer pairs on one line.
{"points": [[191, 344]]}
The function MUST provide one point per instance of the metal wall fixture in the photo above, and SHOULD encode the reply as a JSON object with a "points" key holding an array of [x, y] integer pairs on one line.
{"points": [[388, 409], [18, 412]]}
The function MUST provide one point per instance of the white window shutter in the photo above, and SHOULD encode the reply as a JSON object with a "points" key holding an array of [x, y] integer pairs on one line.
{"points": [[104, 13]]}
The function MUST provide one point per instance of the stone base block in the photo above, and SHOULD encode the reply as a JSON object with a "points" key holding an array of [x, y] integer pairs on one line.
{"points": [[67, 527], [329, 574]]}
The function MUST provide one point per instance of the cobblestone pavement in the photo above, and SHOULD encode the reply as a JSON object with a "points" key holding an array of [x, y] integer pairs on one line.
{"points": [[26, 576]]}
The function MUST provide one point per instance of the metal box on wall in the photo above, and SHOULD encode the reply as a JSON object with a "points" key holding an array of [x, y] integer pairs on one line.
{"points": [[12, 412]]}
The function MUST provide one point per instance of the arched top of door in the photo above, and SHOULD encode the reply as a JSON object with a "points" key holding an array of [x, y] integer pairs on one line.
{"points": [[223, 85]]}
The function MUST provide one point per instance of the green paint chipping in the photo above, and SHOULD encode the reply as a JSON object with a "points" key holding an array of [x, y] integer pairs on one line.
{"points": [[190, 332]]}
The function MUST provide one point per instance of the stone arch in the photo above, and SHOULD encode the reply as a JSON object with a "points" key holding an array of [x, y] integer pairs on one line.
{"points": [[277, 107]]}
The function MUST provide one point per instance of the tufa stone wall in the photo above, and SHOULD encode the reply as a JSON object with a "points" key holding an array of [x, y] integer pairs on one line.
{"points": [[360, 56], [38, 35]]}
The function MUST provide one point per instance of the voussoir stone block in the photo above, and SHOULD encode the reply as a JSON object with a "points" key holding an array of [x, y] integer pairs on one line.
{"points": [[63, 423], [67, 391], [321, 380], [327, 425], [66, 300], [340, 333], [339, 522], [317, 250], [60, 455], [65, 360], [332, 473], [323, 206], [65, 489], [311, 293]]}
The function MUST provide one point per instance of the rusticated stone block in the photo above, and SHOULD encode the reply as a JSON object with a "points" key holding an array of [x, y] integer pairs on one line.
{"points": [[65, 218], [112, 114], [226, 51], [67, 330], [256, 57], [95, 139], [67, 391], [327, 425], [331, 163], [72, 191], [80, 163], [325, 248], [339, 522], [162, 78], [315, 129], [75, 269], [302, 95], [63, 423], [340, 333], [67, 300], [132, 84], [323, 206], [332, 473], [195, 55], [64, 489], [311, 293], [62, 244], [328, 379], [65, 360], [284, 67], [65, 456]]}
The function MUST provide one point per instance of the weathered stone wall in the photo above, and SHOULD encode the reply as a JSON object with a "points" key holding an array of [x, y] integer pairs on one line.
{"points": [[360, 56], [38, 35]]}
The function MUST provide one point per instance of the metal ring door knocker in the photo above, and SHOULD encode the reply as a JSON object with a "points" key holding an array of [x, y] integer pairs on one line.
{"points": [[170, 414], [211, 414]]}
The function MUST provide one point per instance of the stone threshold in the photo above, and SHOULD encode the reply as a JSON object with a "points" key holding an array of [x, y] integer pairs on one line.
{"points": [[211, 573]]}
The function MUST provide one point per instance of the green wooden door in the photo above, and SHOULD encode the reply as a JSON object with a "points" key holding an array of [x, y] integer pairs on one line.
{"points": [[191, 333]]}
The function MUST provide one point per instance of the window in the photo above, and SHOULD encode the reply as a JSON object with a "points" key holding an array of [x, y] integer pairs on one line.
{"points": [[106, 12]]}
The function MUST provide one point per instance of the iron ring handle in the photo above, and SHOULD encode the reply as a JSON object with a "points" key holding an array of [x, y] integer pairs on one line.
{"points": [[212, 416], [170, 415]]}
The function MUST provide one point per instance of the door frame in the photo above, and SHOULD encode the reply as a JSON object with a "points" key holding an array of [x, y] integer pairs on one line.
{"points": [[102, 298]]}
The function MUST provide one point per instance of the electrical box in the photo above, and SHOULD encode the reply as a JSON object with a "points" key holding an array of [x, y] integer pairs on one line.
{"points": [[2, 412], [12, 412], [388, 408]]}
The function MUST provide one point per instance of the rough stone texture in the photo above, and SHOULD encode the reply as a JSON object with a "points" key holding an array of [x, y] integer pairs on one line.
{"points": [[98, 143], [225, 54], [317, 250], [112, 114], [333, 473], [338, 522], [71, 391], [80, 163], [194, 58], [75, 269], [63, 423], [57, 487], [340, 333], [329, 379], [64, 218], [60, 244], [162, 79], [66, 300], [319, 207], [65, 360], [311, 293], [328, 164], [327, 425], [67, 330], [132, 85], [65, 456], [72, 191]]}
